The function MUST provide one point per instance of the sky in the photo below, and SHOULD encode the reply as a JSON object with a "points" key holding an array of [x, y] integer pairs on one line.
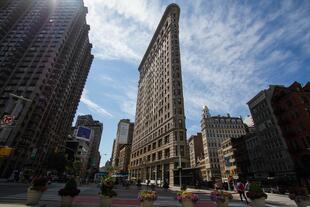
{"points": [[230, 50]]}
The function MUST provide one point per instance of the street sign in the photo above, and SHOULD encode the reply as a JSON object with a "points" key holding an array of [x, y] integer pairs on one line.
{"points": [[33, 153], [5, 151], [7, 120], [83, 133]]}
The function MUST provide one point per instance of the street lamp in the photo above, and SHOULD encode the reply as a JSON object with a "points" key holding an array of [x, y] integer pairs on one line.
{"points": [[180, 170], [20, 97]]}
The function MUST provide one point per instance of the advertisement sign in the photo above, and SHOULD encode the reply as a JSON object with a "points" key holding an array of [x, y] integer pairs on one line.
{"points": [[83, 133], [5, 151], [123, 131]]}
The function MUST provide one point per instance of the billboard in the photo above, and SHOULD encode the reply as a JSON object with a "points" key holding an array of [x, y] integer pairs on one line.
{"points": [[83, 133], [123, 131]]}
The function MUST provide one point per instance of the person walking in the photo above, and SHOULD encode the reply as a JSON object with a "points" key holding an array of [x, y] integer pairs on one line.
{"points": [[247, 185], [240, 188]]}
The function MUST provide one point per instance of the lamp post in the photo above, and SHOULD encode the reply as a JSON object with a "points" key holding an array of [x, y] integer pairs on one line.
{"points": [[6, 131], [180, 171]]}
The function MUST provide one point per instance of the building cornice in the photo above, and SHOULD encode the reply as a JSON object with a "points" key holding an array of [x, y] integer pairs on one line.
{"points": [[168, 10]]}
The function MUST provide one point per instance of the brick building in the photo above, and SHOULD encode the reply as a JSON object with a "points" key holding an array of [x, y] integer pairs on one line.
{"points": [[93, 161], [195, 149], [292, 109]]}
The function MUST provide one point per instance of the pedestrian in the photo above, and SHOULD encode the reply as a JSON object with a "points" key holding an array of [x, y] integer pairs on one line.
{"points": [[247, 185], [166, 185], [240, 188], [16, 176]]}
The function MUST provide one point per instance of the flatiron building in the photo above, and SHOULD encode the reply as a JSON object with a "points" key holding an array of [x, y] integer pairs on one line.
{"points": [[159, 140]]}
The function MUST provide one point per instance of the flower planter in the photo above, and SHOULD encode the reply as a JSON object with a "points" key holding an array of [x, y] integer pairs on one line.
{"points": [[105, 201], [303, 203], [187, 203], [66, 201], [259, 202], [222, 203], [146, 203], [33, 196]]}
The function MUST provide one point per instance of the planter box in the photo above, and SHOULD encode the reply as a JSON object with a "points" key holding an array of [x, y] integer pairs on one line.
{"points": [[33, 196], [222, 203], [105, 201], [260, 202], [187, 203], [147, 204], [66, 201], [303, 203]]}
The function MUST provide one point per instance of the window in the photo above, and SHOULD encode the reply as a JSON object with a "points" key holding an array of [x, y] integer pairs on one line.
{"points": [[181, 136], [182, 150], [167, 153], [159, 155], [159, 142], [167, 139]]}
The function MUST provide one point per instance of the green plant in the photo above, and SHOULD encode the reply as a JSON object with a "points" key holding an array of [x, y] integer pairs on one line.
{"points": [[39, 183], [70, 189], [147, 196], [219, 195], [106, 186], [184, 195], [183, 187], [255, 192]]}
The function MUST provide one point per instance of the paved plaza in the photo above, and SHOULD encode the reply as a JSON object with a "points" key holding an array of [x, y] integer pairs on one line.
{"points": [[14, 194]]}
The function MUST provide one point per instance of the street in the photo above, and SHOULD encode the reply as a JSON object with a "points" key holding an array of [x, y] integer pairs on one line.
{"points": [[14, 194]]}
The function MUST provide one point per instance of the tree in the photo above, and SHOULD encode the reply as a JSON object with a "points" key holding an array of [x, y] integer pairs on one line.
{"points": [[74, 168]]}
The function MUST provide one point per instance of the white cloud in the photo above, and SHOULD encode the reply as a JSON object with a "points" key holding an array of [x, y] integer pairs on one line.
{"points": [[122, 29], [125, 96], [228, 51], [249, 121], [93, 106]]}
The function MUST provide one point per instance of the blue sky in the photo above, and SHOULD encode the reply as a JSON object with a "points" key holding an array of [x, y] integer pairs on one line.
{"points": [[230, 50]]}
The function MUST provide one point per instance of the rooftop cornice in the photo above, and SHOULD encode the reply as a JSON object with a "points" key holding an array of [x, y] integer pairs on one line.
{"points": [[168, 10]]}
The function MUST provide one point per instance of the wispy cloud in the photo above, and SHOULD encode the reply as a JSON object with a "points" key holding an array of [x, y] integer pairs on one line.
{"points": [[229, 49], [92, 106], [121, 29], [125, 96]]}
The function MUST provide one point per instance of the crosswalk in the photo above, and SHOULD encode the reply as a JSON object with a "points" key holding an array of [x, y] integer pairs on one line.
{"points": [[49, 195]]}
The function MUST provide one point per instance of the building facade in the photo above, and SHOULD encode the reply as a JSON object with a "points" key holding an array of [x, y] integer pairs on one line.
{"points": [[234, 158], [216, 129], [276, 161], [94, 143], [256, 156], [195, 149], [160, 133], [123, 140], [45, 56], [291, 107], [124, 158]]}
